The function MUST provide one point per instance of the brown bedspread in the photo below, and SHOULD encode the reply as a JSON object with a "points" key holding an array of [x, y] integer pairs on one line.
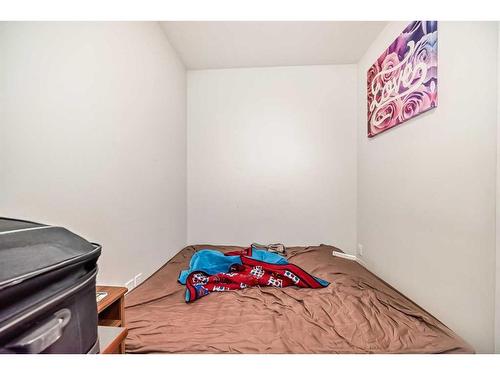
{"points": [[356, 313]]}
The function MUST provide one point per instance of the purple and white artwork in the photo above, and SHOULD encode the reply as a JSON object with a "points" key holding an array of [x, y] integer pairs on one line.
{"points": [[402, 83]]}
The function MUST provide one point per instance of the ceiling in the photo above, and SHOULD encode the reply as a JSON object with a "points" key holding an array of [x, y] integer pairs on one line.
{"points": [[238, 44]]}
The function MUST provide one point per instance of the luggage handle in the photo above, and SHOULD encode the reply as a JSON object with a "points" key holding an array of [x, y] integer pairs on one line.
{"points": [[43, 336]]}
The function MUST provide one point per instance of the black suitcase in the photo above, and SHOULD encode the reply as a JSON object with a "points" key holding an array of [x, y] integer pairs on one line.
{"points": [[47, 289]]}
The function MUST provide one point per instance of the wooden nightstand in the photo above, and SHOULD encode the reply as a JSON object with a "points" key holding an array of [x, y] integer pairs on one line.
{"points": [[111, 309], [111, 314]]}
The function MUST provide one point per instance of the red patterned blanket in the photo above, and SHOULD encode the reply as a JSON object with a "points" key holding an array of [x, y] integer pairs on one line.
{"points": [[251, 272]]}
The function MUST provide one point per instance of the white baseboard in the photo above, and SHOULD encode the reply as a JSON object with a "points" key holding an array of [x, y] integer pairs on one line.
{"points": [[348, 256]]}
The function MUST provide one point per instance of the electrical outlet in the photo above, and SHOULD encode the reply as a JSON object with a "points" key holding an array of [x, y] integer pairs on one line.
{"points": [[359, 252], [137, 279], [129, 285]]}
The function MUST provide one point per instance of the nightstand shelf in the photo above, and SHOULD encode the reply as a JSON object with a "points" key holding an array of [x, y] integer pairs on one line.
{"points": [[110, 322]]}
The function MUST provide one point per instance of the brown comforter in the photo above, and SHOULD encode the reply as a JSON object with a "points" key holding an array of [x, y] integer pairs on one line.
{"points": [[356, 313]]}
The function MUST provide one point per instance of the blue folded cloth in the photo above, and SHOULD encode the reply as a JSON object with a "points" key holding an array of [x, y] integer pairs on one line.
{"points": [[214, 261]]}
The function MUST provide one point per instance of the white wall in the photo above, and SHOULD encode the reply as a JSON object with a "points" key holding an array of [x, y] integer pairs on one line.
{"points": [[93, 137], [426, 189], [272, 155]]}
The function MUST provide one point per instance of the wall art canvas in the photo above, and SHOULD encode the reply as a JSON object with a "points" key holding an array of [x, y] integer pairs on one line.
{"points": [[402, 83]]}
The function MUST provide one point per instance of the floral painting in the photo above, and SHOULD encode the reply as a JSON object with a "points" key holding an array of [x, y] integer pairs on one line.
{"points": [[402, 83]]}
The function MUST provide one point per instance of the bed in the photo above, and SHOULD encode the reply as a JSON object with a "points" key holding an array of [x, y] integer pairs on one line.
{"points": [[356, 313]]}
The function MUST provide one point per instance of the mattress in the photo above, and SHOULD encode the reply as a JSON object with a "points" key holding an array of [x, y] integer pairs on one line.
{"points": [[356, 313]]}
